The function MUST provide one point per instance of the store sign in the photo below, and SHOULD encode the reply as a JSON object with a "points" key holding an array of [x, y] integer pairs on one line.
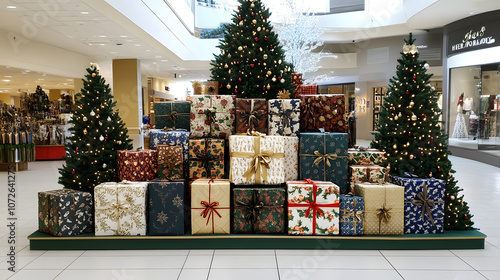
{"points": [[478, 37]]}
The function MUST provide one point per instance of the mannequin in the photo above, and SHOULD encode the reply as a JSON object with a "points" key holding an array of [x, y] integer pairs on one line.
{"points": [[460, 130], [468, 104], [460, 104]]}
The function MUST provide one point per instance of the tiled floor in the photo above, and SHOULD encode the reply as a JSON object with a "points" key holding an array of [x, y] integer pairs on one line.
{"points": [[482, 190]]}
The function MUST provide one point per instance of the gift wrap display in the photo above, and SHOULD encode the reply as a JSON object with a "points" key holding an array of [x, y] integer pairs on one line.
{"points": [[172, 138], [325, 111], [65, 212], [257, 160], [172, 114], [424, 204], [137, 165], [251, 115], [313, 208], [210, 206], [259, 210], [291, 160], [367, 173], [384, 208], [206, 158], [365, 156], [352, 215], [166, 208], [323, 157], [170, 162], [212, 116], [120, 208], [284, 117]]}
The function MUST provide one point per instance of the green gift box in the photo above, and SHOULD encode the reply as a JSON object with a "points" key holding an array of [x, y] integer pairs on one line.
{"points": [[172, 114]]}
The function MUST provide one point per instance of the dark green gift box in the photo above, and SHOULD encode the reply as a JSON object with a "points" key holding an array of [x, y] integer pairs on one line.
{"points": [[172, 114]]}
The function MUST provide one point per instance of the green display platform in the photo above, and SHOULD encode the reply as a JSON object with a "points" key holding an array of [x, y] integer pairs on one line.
{"points": [[470, 239]]}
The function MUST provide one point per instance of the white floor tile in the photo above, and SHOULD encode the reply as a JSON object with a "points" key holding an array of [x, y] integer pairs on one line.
{"points": [[328, 252], [41, 274], [194, 274], [130, 262], [44, 262], [483, 263], [26, 251], [250, 261], [330, 262], [312, 274], [440, 275], [491, 274], [202, 261], [244, 252], [201, 252], [488, 251], [243, 274], [417, 253], [119, 274], [62, 253], [134, 253], [428, 263]]}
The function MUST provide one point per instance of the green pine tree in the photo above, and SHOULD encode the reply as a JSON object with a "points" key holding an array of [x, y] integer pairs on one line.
{"points": [[252, 61], [409, 131], [97, 133]]}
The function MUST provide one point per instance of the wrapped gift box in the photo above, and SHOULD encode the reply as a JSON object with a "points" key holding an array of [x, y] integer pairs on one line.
{"points": [[323, 157], [306, 90], [210, 207], [259, 210], [257, 160], [326, 111], [291, 160], [296, 79], [172, 138], [170, 162], [313, 208], [137, 165], [65, 212], [365, 156], [206, 158], [120, 208], [424, 204], [210, 88], [212, 116], [284, 117], [251, 115], [166, 208], [384, 208], [367, 173], [352, 215], [172, 114]]}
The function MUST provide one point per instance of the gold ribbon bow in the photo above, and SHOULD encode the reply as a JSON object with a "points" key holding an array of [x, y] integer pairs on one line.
{"points": [[358, 216], [426, 203], [383, 215], [116, 209], [324, 158], [172, 117]]}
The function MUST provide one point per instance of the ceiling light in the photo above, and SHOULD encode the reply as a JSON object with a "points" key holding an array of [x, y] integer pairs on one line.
{"points": [[5, 80], [102, 36], [8, 76], [123, 36], [137, 45], [84, 13], [11, 7]]}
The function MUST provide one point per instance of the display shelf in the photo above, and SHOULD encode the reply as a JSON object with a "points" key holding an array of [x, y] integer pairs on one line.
{"points": [[19, 166], [467, 239]]}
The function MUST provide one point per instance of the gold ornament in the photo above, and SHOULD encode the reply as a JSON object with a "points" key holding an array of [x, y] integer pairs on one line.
{"points": [[283, 94], [228, 55], [269, 73], [228, 86], [412, 103], [268, 87], [252, 5], [226, 66], [265, 56], [259, 28], [395, 146], [93, 74], [413, 117], [85, 131], [240, 48], [254, 21], [85, 118]]}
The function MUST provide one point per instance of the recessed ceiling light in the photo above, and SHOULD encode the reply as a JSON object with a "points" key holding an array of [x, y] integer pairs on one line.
{"points": [[148, 50], [164, 60], [8, 76], [5, 80], [27, 71], [123, 36], [137, 45], [102, 36], [11, 7], [84, 13]]}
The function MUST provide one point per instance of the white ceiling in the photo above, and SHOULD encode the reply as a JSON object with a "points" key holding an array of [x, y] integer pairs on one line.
{"points": [[75, 26]]}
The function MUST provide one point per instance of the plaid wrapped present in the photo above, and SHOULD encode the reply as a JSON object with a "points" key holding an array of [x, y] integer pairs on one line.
{"points": [[259, 210], [172, 114], [206, 158], [313, 208], [367, 173], [166, 208], [296, 79], [251, 115], [284, 117], [306, 90], [326, 111], [170, 162], [65, 212], [352, 215], [137, 165], [365, 156], [212, 116], [210, 207]]}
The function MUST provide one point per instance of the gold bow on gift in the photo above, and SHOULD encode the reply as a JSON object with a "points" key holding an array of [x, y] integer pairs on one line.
{"points": [[115, 211], [324, 158], [358, 216], [383, 215], [172, 117]]}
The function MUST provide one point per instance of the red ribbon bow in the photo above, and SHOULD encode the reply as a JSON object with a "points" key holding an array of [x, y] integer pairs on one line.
{"points": [[209, 210]]}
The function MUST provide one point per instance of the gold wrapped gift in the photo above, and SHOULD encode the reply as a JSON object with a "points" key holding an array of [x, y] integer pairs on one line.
{"points": [[210, 211]]}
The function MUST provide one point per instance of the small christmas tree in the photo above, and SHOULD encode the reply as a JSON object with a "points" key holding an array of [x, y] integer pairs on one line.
{"points": [[252, 61], [97, 133], [409, 131]]}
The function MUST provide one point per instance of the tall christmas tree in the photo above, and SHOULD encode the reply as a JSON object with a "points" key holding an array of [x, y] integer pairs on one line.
{"points": [[409, 131], [252, 61], [97, 133]]}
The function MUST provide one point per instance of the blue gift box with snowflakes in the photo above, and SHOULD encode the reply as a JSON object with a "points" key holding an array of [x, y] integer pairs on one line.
{"points": [[178, 137], [284, 117], [166, 208], [352, 214], [424, 204]]}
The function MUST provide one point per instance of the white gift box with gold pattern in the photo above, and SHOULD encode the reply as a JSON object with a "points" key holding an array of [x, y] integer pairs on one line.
{"points": [[291, 158], [120, 208]]}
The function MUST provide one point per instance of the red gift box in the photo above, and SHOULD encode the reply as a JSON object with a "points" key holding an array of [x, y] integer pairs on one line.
{"points": [[306, 90], [137, 165]]}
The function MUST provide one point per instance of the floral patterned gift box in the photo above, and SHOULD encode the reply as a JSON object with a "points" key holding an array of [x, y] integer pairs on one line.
{"points": [[259, 210], [120, 208], [367, 173], [137, 165], [352, 215], [172, 114], [424, 204], [210, 211], [212, 116], [323, 157], [65, 212], [206, 158], [166, 208], [177, 137], [313, 208], [384, 208], [365, 156], [251, 115], [257, 160], [325, 111], [170, 162], [284, 117]]}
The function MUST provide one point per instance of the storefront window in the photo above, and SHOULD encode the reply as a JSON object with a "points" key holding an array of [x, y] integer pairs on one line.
{"points": [[474, 107]]}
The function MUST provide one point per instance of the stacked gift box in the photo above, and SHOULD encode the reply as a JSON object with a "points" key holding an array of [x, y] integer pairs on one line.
{"points": [[365, 165]]}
